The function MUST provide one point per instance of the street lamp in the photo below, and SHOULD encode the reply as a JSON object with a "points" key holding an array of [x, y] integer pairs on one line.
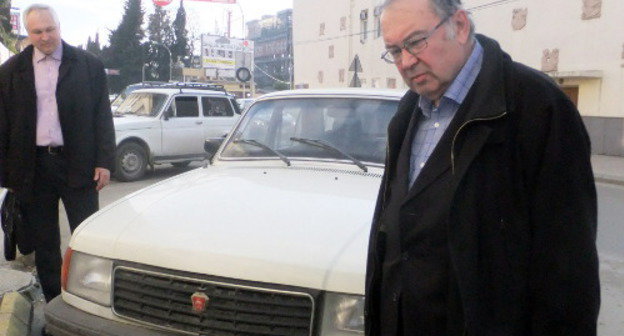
{"points": [[143, 73]]}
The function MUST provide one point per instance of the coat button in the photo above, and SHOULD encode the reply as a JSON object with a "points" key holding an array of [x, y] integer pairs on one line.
{"points": [[395, 296], [405, 256]]}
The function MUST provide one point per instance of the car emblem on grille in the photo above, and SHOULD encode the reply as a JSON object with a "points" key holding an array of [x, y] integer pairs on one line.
{"points": [[199, 300]]}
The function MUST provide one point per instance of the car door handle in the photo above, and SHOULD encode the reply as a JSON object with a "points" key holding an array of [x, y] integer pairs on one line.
{"points": [[199, 122]]}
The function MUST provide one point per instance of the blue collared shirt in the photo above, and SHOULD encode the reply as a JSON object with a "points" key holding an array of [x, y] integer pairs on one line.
{"points": [[434, 120]]}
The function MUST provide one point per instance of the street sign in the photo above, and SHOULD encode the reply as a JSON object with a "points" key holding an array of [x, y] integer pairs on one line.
{"points": [[355, 81], [15, 21], [356, 65], [161, 3]]}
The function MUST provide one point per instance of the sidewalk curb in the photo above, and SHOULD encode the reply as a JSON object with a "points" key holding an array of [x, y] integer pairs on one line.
{"points": [[16, 313]]}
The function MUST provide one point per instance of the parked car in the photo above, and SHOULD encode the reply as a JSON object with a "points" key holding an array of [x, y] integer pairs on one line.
{"points": [[269, 239], [169, 124]]}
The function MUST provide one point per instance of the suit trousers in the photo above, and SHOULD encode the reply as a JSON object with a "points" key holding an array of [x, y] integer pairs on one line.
{"points": [[42, 216]]}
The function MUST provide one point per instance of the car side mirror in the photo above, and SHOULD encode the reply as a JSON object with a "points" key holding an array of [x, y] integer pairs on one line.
{"points": [[211, 146]]}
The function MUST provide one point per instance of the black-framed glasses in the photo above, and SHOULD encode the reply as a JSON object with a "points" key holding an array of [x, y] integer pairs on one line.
{"points": [[413, 46]]}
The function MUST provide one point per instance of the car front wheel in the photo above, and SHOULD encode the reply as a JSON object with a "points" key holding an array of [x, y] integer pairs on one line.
{"points": [[131, 162]]}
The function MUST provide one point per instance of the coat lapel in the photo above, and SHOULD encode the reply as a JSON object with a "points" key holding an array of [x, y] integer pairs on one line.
{"points": [[66, 63]]}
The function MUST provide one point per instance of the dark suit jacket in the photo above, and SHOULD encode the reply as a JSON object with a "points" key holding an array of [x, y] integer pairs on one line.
{"points": [[84, 112], [521, 228]]}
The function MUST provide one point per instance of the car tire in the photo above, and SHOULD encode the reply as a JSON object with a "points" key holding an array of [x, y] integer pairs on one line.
{"points": [[180, 164], [131, 162]]}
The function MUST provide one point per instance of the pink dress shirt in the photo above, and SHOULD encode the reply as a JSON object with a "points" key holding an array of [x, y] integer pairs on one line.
{"points": [[46, 78]]}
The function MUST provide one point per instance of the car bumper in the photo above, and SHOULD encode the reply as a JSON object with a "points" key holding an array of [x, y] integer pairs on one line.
{"points": [[65, 320]]}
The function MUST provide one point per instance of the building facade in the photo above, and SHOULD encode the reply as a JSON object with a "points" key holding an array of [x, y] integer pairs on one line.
{"points": [[272, 36], [578, 43], [331, 38]]}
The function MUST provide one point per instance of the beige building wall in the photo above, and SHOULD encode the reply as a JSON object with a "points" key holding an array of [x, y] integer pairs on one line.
{"points": [[590, 44], [590, 49], [327, 37]]}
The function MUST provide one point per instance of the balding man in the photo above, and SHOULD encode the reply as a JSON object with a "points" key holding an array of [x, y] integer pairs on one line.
{"points": [[486, 218], [56, 136]]}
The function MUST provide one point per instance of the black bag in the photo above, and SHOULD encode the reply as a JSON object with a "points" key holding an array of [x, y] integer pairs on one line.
{"points": [[13, 226]]}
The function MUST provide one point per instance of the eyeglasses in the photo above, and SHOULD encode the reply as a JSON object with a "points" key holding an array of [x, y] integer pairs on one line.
{"points": [[413, 46]]}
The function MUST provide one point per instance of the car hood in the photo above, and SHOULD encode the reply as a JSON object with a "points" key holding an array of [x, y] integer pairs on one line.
{"points": [[133, 122], [298, 226]]}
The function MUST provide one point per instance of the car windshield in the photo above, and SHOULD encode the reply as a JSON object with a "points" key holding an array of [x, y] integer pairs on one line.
{"points": [[353, 129], [142, 104]]}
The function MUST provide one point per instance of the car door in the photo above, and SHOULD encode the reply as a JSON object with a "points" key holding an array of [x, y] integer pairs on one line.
{"points": [[219, 116], [182, 128]]}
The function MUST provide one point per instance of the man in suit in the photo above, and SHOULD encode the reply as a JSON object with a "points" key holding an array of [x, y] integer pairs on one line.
{"points": [[486, 218], [56, 136]]}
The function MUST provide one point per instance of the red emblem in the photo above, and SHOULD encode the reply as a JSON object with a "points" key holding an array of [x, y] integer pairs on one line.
{"points": [[199, 301]]}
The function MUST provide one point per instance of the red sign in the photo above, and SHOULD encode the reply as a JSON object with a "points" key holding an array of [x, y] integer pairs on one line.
{"points": [[161, 3]]}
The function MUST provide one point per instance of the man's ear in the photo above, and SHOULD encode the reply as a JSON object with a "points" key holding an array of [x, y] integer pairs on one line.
{"points": [[462, 26]]}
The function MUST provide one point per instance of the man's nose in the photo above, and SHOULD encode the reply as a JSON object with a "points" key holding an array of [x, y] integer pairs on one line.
{"points": [[407, 59]]}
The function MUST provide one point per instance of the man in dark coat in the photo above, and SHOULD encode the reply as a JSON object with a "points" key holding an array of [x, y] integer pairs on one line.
{"points": [[486, 218], [56, 136]]}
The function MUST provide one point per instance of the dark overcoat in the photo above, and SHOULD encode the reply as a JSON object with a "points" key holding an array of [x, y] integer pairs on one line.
{"points": [[84, 113], [522, 222]]}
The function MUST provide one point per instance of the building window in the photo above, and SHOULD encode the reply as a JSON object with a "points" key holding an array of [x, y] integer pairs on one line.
{"points": [[375, 82], [377, 22], [391, 83], [322, 29], [341, 75], [320, 77], [343, 23], [363, 25], [331, 51]]}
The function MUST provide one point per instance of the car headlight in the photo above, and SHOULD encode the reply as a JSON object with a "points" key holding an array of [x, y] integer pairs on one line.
{"points": [[89, 277], [343, 314]]}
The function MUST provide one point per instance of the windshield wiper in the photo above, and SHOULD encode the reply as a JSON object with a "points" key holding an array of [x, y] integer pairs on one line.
{"points": [[328, 146], [263, 146]]}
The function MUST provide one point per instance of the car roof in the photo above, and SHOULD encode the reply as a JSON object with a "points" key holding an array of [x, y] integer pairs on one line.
{"points": [[341, 92]]}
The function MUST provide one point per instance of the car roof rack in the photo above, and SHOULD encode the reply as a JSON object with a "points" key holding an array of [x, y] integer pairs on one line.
{"points": [[185, 85]]}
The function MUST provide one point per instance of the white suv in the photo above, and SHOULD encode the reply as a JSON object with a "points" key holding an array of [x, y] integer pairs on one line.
{"points": [[269, 239], [169, 124]]}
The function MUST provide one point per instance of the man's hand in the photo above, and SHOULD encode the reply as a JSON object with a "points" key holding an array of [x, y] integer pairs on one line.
{"points": [[102, 177]]}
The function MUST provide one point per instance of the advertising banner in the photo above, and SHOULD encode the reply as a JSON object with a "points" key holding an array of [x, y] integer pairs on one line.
{"points": [[223, 53]]}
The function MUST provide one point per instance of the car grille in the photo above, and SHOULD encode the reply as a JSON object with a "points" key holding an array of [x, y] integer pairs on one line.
{"points": [[164, 300]]}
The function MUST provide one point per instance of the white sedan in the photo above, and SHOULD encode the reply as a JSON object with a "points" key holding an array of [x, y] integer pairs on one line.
{"points": [[269, 239]]}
